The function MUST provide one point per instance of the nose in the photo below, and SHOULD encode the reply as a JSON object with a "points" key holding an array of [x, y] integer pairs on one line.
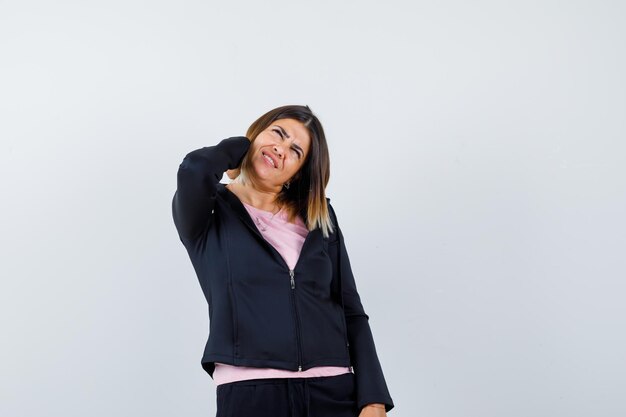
{"points": [[278, 150]]}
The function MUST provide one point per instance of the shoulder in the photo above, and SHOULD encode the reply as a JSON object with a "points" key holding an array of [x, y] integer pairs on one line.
{"points": [[331, 210], [334, 235]]}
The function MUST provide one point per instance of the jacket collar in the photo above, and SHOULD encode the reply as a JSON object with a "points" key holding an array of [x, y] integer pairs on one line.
{"points": [[238, 207]]}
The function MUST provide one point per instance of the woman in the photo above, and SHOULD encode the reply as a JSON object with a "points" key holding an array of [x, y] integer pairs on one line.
{"points": [[288, 333]]}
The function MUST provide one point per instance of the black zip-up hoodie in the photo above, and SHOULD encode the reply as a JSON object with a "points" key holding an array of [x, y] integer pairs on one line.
{"points": [[262, 313]]}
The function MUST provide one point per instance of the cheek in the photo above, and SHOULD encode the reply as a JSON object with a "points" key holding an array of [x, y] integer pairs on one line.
{"points": [[294, 168]]}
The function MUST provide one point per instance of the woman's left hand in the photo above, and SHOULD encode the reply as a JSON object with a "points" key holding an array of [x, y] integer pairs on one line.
{"points": [[373, 410]]}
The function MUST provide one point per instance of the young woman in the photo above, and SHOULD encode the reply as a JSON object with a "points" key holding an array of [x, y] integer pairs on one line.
{"points": [[288, 335]]}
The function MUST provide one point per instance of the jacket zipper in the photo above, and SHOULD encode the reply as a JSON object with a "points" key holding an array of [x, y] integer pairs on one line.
{"points": [[293, 287], [293, 294], [291, 274]]}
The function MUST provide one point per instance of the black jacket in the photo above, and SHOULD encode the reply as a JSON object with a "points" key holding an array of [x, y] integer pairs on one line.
{"points": [[261, 313]]}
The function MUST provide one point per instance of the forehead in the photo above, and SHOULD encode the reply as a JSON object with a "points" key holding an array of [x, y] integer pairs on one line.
{"points": [[296, 130]]}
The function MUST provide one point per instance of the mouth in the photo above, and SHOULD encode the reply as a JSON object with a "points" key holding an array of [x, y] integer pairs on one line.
{"points": [[270, 160]]}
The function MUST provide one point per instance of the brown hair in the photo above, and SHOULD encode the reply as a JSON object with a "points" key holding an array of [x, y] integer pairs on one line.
{"points": [[306, 192]]}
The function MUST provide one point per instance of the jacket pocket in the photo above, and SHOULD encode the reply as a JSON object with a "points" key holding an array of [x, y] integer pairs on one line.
{"points": [[323, 330], [264, 316]]}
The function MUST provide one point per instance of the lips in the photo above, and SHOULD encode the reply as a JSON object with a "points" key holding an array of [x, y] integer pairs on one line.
{"points": [[271, 157]]}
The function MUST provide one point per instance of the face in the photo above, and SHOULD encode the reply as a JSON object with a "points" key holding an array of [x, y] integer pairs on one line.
{"points": [[280, 150]]}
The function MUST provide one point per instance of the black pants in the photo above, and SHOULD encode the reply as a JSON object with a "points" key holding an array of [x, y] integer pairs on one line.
{"points": [[323, 396]]}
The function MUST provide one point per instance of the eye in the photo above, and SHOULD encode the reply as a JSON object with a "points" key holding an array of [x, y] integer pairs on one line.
{"points": [[279, 132], [282, 137]]}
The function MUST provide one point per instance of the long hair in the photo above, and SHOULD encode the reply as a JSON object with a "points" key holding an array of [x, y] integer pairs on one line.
{"points": [[306, 193]]}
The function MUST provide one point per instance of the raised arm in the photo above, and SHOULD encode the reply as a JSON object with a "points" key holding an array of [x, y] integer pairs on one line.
{"points": [[198, 175], [371, 385]]}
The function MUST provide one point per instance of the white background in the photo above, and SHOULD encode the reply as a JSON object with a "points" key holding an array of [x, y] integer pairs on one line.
{"points": [[477, 169]]}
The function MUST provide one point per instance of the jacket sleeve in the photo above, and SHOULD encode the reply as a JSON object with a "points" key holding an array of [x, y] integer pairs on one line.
{"points": [[198, 175], [371, 385]]}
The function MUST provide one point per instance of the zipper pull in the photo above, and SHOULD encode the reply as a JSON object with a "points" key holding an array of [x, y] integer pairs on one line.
{"points": [[293, 283], [299, 368]]}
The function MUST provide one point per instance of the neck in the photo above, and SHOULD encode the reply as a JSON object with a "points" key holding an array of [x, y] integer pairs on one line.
{"points": [[260, 198]]}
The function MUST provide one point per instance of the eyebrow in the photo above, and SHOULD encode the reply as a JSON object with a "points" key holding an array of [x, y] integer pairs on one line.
{"points": [[288, 137], [283, 130]]}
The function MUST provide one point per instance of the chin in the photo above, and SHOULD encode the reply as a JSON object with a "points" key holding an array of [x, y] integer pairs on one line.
{"points": [[262, 170], [261, 174]]}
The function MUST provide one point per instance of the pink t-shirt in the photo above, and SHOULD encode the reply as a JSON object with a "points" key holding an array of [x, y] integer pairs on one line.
{"points": [[287, 238]]}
